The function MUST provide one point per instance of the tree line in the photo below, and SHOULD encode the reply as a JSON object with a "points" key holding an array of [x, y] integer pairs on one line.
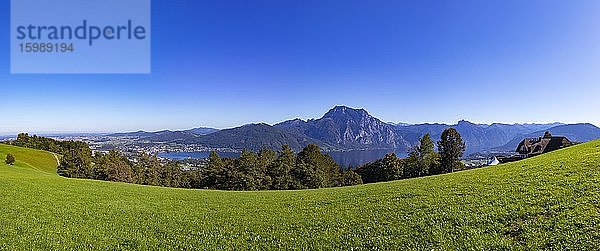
{"points": [[267, 169], [263, 170], [422, 160]]}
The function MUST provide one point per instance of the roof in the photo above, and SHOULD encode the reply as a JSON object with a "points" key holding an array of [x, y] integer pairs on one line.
{"points": [[533, 146]]}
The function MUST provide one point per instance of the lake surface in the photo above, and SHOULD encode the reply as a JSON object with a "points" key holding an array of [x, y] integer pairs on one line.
{"points": [[354, 158]]}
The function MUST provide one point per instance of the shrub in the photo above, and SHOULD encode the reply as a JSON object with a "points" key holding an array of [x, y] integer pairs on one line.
{"points": [[10, 159]]}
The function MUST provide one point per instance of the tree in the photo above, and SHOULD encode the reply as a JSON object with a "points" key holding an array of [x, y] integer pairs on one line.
{"points": [[209, 174], [266, 157], [348, 178], [547, 134], [171, 175], [315, 169], [422, 158], [10, 159], [114, 167], [22, 140], [147, 170], [280, 170], [247, 168], [41, 143], [244, 173], [119, 171], [386, 169], [391, 167], [76, 161], [451, 149]]}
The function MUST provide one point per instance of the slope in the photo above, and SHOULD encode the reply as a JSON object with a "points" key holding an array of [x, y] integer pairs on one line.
{"points": [[548, 202]]}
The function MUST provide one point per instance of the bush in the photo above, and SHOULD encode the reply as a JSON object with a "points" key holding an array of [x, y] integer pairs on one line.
{"points": [[10, 159]]}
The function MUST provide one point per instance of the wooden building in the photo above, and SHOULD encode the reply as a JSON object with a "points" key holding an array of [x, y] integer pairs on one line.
{"points": [[536, 146]]}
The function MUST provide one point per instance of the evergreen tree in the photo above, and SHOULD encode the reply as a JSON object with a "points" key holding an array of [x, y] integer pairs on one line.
{"points": [[422, 158], [307, 176], [280, 170], [212, 170], [266, 158], [171, 175], [315, 169], [246, 168], [36, 142], [451, 149], [194, 178], [76, 161], [245, 173], [148, 170], [112, 167]]}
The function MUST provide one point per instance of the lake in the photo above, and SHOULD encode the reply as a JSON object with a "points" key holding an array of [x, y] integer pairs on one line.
{"points": [[352, 158], [356, 158]]}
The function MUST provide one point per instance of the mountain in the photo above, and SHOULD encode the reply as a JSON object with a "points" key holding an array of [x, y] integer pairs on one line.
{"points": [[575, 132], [477, 137], [399, 124], [202, 130], [138, 134], [167, 135], [541, 127], [412, 132], [347, 128], [170, 136], [341, 128], [254, 137]]}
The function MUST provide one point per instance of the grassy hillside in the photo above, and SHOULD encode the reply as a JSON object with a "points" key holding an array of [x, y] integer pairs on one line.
{"points": [[35, 159], [547, 202]]}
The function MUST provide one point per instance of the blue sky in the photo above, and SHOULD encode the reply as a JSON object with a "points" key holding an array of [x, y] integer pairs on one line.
{"points": [[226, 63]]}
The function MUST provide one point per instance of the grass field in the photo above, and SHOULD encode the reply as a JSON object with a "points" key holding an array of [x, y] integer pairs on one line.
{"points": [[549, 202]]}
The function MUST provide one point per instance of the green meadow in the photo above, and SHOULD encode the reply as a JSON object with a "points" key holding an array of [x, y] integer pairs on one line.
{"points": [[549, 202]]}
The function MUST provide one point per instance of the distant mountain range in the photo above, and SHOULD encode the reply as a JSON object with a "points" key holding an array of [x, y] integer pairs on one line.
{"points": [[255, 137], [345, 128], [574, 132], [477, 137], [167, 135]]}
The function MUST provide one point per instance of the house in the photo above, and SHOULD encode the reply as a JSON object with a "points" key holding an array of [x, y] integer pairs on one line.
{"points": [[535, 146]]}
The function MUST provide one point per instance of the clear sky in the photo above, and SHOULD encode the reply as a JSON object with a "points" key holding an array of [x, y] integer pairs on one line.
{"points": [[226, 63]]}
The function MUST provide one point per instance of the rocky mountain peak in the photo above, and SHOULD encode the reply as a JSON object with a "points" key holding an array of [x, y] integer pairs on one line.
{"points": [[465, 123], [345, 112]]}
